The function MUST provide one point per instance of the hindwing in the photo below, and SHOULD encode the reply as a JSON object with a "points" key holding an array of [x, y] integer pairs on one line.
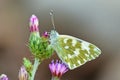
{"points": [[75, 52]]}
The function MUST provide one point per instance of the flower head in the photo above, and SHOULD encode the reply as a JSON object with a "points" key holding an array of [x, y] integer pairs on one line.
{"points": [[58, 68], [34, 23], [3, 77], [23, 75]]}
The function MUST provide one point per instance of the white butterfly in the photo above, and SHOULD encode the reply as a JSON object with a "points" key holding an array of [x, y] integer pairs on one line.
{"points": [[72, 51]]}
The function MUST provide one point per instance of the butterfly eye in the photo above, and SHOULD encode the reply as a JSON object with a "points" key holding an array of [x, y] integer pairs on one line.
{"points": [[48, 33]]}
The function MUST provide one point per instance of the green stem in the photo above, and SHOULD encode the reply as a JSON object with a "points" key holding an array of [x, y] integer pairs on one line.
{"points": [[35, 67], [55, 78]]}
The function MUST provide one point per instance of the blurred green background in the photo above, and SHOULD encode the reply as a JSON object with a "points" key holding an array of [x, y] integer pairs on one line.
{"points": [[96, 21]]}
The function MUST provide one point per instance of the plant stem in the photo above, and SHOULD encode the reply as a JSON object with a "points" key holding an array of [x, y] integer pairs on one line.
{"points": [[35, 67], [55, 78]]}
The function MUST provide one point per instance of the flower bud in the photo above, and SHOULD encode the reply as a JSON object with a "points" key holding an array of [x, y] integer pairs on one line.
{"points": [[23, 75], [45, 34], [34, 23], [3, 77], [39, 46]]}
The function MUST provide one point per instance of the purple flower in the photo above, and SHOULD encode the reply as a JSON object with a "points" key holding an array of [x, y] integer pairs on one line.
{"points": [[3, 77], [34, 23], [57, 68], [23, 75], [45, 34]]}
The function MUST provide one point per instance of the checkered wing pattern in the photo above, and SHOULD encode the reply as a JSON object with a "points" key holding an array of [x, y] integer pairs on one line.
{"points": [[75, 52]]}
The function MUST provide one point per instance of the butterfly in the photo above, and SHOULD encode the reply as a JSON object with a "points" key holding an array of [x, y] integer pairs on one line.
{"points": [[73, 51]]}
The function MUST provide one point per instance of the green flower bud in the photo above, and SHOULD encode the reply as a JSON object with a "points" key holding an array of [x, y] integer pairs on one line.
{"points": [[28, 65], [39, 46]]}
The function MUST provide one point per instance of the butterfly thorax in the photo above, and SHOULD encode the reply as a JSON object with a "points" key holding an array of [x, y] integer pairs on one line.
{"points": [[53, 36]]}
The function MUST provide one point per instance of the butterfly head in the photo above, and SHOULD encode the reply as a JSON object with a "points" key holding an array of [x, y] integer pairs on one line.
{"points": [[53, 36]]}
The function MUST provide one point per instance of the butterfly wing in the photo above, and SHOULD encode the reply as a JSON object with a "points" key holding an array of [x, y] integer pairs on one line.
{"points": [[75, 52]]}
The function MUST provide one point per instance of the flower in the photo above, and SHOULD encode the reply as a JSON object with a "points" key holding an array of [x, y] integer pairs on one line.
{"points": [[34, 23], [3, 77], [23, 75], [45, 34], [58, 68]]}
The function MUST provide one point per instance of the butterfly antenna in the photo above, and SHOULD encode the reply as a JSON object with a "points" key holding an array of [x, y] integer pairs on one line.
{"points": [[52, 18]]}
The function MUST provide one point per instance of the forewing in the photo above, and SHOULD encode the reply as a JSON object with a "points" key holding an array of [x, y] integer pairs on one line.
{"points": [[75, 52]]}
